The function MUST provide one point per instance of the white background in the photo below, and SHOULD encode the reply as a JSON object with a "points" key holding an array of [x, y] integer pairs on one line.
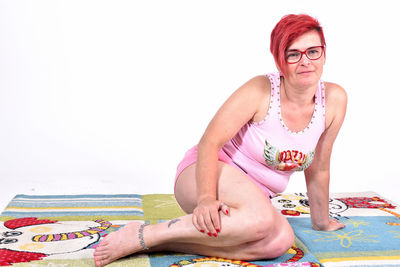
{"points": [[106, 96]]}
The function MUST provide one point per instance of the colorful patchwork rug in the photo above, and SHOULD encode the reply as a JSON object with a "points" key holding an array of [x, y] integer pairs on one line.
{"points": [[55, 230]]}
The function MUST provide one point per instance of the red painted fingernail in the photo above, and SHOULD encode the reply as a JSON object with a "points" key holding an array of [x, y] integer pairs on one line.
{"points": [[202, 231], [227, 212], [218, 230], [215, 235], [209, 234]]}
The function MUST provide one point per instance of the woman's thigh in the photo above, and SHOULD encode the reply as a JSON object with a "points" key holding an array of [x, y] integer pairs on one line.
{"points": [[253, 214], [234, 188]]}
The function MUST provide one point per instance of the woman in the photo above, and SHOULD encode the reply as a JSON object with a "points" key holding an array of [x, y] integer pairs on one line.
{"points": [[270, 127]]}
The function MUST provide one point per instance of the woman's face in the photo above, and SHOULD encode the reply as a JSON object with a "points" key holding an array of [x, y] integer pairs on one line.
{"points": [[306, 72]]}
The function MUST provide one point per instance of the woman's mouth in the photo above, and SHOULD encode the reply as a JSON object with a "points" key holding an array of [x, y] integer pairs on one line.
{"points": [[305, 72]]}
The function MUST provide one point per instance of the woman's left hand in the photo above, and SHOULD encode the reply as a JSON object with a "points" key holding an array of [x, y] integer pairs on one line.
{"points": [[333, 225]]}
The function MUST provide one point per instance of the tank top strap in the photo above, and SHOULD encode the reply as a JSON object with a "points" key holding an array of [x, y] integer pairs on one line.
{"points": [[320, 97], [274, 103], [320, 102]]}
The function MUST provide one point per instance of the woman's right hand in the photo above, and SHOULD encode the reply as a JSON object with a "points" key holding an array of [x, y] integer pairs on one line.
{"points": [[206, 216]]}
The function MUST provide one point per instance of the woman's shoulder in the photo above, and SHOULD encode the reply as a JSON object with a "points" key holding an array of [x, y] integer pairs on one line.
{"points": [[259, 84], [256, 93], [335, 103], [260, 80], [255, 87], [335, 93]]}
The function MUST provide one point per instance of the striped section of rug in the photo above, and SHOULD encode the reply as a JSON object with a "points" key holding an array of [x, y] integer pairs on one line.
{"points": [[64, 230], [80, 207]]}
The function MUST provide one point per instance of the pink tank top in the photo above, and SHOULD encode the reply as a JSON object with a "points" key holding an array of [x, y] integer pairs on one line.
{"points": [[268, 151]]}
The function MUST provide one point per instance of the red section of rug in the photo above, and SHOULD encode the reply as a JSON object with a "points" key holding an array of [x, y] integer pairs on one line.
{"points": [[8, 257], [16, 223]]}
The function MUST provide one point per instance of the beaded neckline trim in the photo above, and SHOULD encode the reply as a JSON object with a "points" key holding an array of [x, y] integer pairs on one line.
{"points": [[275, 89]]}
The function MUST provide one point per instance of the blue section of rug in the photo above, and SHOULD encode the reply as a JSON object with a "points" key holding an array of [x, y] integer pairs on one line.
{"points": [[370, 235]]}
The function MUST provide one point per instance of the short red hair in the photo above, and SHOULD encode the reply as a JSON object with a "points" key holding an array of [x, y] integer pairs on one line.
{"points": [[287, 30]]}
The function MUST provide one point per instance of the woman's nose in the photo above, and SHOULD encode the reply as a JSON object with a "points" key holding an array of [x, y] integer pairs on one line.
{"points": [[304, 60]]}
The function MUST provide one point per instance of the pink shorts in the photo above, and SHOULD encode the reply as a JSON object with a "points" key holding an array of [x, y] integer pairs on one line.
{"points": [[191, 157]]}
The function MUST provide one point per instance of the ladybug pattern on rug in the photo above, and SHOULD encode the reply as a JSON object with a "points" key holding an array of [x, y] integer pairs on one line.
{"points": [[366, 203], [372, 203], [27, 239]]}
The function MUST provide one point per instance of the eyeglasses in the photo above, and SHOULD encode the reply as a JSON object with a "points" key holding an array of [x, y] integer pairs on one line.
{"points": [[312, 53]]}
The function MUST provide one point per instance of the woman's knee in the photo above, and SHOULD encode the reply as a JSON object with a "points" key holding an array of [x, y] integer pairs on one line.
{"points": [[283, 243], [252, 226], [261, 226], [275, 246]]}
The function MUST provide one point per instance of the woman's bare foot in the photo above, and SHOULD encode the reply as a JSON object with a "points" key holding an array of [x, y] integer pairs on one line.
{"points": [[119, 244]]}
